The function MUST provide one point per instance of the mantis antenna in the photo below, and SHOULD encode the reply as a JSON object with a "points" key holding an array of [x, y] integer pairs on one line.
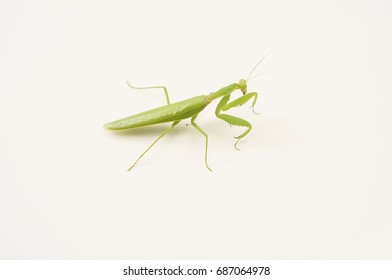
{"points": [[254, 68], [262, 73]]}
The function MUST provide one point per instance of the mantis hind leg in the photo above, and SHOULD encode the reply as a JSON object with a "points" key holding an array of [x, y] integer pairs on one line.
{"points": [[205, 135], [223, 105], [160, 136], [163, 87]]}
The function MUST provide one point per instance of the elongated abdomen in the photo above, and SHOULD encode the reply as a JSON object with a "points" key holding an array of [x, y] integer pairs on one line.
{"points": [[173, 112]]}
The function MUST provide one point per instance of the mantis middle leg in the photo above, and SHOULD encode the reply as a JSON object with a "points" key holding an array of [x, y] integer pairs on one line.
{"points": [[205, 135]]}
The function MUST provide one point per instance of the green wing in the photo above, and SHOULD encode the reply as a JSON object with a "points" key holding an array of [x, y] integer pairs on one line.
{"points": [[173, 112]]}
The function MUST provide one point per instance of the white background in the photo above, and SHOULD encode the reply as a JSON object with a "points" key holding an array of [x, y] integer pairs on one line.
{"points": [[312, 180]]}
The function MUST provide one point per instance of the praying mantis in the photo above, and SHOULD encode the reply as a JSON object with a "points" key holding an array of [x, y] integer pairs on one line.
{"points": [[190, 108]]}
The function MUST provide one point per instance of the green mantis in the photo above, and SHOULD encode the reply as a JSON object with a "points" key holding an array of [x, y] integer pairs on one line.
{"points": [[190, 108]]}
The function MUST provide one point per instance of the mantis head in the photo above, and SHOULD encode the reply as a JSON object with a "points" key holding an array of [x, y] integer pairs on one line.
{"points": [[242, 86]]}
